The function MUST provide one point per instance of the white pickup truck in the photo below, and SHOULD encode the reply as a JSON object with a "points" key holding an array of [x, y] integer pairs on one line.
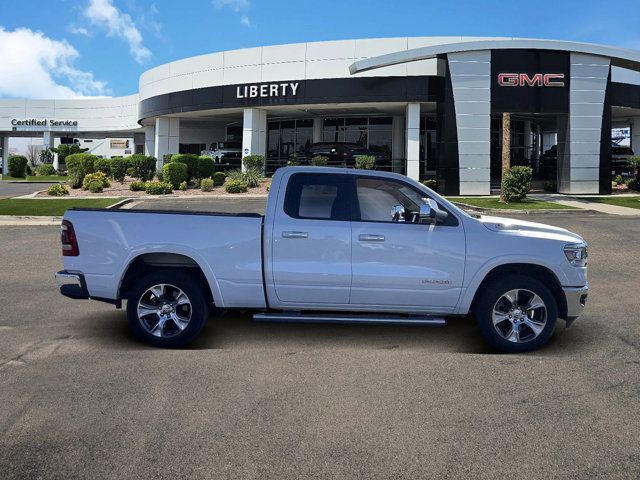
{"points": [[335, 245]]}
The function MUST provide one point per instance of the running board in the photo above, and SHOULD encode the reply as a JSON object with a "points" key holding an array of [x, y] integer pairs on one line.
{"points": [[368, 319]]}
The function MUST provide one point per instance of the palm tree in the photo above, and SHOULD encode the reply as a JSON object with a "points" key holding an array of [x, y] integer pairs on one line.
{"points": [[506, 150]]}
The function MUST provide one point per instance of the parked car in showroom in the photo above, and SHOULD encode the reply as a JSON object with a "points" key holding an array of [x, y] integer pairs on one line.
{"points": [[225, 154], [335, 245], [340, 154]]}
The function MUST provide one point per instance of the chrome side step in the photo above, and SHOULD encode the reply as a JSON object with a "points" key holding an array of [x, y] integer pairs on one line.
{"points": [[369, 319]]}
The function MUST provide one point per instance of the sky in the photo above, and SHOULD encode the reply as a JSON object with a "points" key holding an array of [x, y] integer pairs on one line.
{"points": [[67, 49]]}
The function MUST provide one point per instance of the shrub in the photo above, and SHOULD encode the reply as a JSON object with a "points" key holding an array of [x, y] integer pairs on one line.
{"points": [[252, 177], [174, 173], [98, 178], [183, 186], [365, 162], [634, 164], [430, 183], [206, 185], [517, 183], [137, 186], [268, 187], [94, 186], [617, 179], [66, 150], [319, 161], [254, 162], [205, 167], [118, 168], [130, 171], [160, 175], [17, 166], [550, 187], [46, 169], [79, 165], [57, 190], [102, 165], [191, 161], [144, 167], [158, 188], [235, 186], [29, 171], [632, 184], [166, 158], [219, 178]]}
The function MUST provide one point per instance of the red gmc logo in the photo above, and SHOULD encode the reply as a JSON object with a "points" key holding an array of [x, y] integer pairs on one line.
{"points": [[537, 80]]}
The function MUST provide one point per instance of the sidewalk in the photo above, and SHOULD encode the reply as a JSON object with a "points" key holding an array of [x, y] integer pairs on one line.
{"points": [[580, 201]]}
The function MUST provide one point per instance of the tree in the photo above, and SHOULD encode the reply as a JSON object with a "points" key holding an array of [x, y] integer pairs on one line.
{"points": [[33, 155], [46, 155], [506, 151], [65, 150]]}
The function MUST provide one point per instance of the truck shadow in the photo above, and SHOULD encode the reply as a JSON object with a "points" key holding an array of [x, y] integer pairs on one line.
{"points": [[236, 330]]}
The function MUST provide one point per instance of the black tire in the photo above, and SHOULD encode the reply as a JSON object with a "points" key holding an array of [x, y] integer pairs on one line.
{"points": [[489, 296], [199, 309]]}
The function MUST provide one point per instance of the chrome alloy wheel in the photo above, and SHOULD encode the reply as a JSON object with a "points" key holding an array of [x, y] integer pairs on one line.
{"points": [[164, 310], [519, 315]]}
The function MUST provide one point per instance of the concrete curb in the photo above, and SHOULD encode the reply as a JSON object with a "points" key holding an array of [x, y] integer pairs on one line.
{"points": [[503, 211]]}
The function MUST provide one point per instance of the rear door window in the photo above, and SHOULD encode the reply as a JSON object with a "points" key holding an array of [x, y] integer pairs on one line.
{"points": [[317, 196]]}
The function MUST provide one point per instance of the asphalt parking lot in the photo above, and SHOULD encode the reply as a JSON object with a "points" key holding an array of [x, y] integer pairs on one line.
{"points": [[83, 399], [13, 189]]}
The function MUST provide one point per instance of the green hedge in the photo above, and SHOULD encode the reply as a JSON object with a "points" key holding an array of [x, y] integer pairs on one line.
{"points": [[78, 166], [219, 178], [57, 190], [254, 162], [143, 167], [430, 183], [191, 161], [102, 165], [46, 169], [365, 162], [517, 183], [319, 161], [205, 166], [118, 168], [95, 182], [137, 186], [158, 188], [206, 185], [175, 173], [235, 186], [17, 166]]}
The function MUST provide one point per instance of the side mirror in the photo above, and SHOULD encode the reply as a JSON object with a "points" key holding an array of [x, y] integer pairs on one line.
{"points": [[431, 213], [397, 213]]}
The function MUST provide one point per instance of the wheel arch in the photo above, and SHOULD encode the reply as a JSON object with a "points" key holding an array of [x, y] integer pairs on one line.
{"points": [[539, 272], [148, 262]]}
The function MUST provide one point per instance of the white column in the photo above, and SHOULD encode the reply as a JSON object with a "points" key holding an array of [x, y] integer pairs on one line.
{"points": [[317, 130], [412, 136], [150, 141], [397, 143], [166, 138], [5, 155], [634, 123], [254, 132]]}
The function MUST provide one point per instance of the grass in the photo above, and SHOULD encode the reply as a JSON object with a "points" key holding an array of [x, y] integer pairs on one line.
{"points": [[527, 204], [50, 207], [38, 178], [631, 202]]}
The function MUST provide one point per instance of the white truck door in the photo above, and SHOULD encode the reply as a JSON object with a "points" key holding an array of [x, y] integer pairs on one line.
{"points": [[311, 256], [400, 263]]}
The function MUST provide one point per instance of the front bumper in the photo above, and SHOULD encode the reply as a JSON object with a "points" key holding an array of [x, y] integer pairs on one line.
{"points": [[576, 298], [72, 285]]}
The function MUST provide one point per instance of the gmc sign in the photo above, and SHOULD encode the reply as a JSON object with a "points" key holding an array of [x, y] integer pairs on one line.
{"points": [[536, 80]]}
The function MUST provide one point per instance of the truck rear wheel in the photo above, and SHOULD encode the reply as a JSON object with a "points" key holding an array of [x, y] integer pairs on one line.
{"points": [[516, 313], [167, 309]]}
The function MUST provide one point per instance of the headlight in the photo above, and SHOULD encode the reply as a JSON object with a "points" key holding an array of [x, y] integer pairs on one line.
{"points": [[576, 254]]}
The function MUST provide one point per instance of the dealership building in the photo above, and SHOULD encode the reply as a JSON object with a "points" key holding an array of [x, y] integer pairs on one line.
{"points": [[431, 107]]}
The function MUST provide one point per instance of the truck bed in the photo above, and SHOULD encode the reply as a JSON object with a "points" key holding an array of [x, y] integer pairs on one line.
{"points": [[226, 246]]}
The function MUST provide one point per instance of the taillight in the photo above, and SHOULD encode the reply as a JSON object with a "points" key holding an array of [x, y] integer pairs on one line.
{"points": [[69, 240]]}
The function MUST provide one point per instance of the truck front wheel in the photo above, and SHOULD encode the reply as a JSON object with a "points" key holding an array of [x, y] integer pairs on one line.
{"points": [[516, 313], [167, 309]]}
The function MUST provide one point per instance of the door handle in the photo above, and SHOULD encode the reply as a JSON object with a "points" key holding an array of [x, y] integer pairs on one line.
{"points": [[295, 235], [366, 237]]}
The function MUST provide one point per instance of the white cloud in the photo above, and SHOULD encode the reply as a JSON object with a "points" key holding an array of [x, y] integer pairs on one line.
{"points": [[78, 30], [238, 6], [35, 66], [103, 14]]}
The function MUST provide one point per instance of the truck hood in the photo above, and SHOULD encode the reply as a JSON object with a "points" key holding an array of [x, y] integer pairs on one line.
{"points": [[529, 229]]}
